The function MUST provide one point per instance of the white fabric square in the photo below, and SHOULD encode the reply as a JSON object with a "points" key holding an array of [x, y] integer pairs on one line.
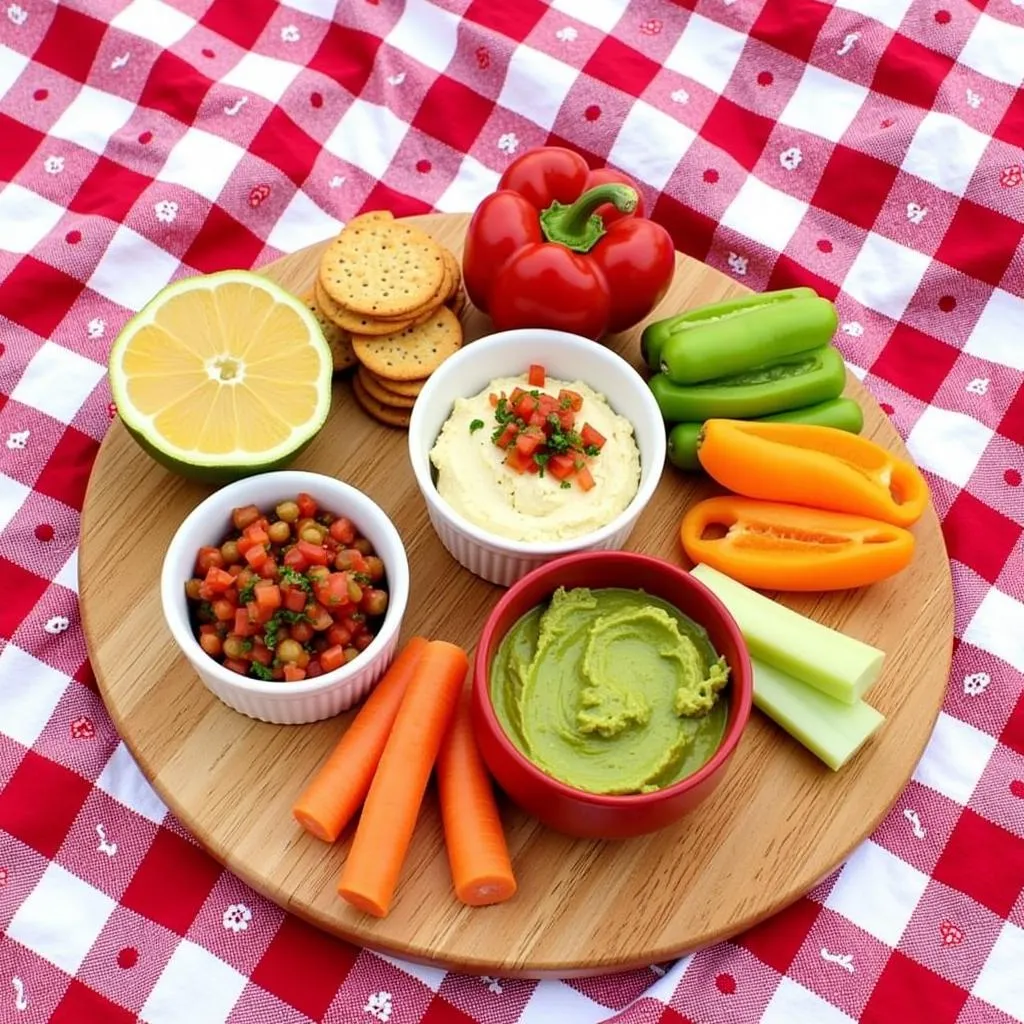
{"points": [[994, 48], [68, 575], [367, 136], [27, 218], [707, 52], [122, 780], [945, 151], [318, 8], [193, 979], [302, 224], [92, 118], [602, 14], [948, 444], [888, 12], [954, 759], [12, 496], [154, 20], [29, 692], [265, 76], [650, 144], [12, 64], [823, 104], [877, 891], [792, 1003], [764, 214], [522, 92], [427, 33], [555, 1001], [1001, 981], [471, 183], [132, 270], [998, 336], [885, 275], [62, 918], [430, 976], [998, 627], [57, 381], [202, 162]]}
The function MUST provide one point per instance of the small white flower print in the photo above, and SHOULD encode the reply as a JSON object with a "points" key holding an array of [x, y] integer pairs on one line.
{"points": [[849, 41], [290, 34], [791, 158], [17, 14], [396, 79], [232, 109], [844, 960], [166, 210], [96, 327], [915, 823], [236, 918], [853, 328], [567, 34], [508, 143], [119, 62], [974, 100], [20, 1002], [978, 386], [18, 439], [53, 164], [106, 846], [738, 264], [915, 213], [378, 1006], [680, 96], [337, 181], [493, 985], [977, 682], [57, 624]]}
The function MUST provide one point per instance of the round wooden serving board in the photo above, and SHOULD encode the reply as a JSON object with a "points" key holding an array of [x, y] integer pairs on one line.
{"points": [[779, 823]]}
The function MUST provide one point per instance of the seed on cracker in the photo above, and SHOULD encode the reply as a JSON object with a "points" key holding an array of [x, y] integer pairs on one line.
{"points": [[415, 352]]}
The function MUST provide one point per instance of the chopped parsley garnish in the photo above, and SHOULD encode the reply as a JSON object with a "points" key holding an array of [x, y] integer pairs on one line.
{"points": [[270, 631], [260, 671], [475, 426], [247, 594], [295, 579]]}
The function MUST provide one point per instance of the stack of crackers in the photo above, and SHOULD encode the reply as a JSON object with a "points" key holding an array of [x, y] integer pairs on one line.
{"points": [[388, 299]]}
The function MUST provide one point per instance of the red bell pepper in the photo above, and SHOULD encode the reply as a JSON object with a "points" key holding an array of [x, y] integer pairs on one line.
{"points": [[562, 246]]}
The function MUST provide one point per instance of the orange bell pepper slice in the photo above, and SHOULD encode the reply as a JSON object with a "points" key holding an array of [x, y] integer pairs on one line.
{"points": [[771, 546], [820, 467]]}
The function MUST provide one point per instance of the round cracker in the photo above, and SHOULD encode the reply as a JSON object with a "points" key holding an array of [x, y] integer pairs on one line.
{"points": [[455, 272], [457, 303], [380, 393], [399, 388], [437, 299], [385, 414], [382, 268], [414, 353], [339, 341], [353, 322]]}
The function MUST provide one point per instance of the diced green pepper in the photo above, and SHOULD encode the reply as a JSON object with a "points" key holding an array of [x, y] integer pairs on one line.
{"points": [[841, 413], [656, 334], [805, 379]]}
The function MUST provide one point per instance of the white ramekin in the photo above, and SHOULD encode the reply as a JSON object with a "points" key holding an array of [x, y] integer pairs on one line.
{"points": [[309, 700], [510, 353]]}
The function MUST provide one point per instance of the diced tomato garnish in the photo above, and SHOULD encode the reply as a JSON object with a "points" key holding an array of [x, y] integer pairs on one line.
{"points": [[208, 558], [332, 590], [526, 406], [319, 617], [255, 534], [508, 435], [529, 441], [314, 554], [571, 399], [589, 436], [493, 399], [244, 543], [243, 625], [354, 626], [223, 610], [561, 466], [261, 653], [537, 419], [295, 559], [313, 669], [339, 635], [566, 419], [513, 399], [268, 570], [517, 461], [546, 405], [292, 673], [332, 658], [209, 627], [294, 598], [256, 556], [343, 531], [268, 595], [536, 376], [257, 614], [584, 478], [234, 665], [307, 506], [218, 580]]}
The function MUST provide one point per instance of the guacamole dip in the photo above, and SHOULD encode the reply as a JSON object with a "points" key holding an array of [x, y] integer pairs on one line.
{"points": [[610, 691]]}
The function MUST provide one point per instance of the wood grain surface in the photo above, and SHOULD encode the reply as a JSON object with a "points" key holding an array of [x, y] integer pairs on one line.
{"points": [[779, 823]]}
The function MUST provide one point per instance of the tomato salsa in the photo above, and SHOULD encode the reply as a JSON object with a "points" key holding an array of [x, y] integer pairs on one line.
{"points": [[288, 594]]}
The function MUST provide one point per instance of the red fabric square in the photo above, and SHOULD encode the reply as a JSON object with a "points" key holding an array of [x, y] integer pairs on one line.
{"points": [[86, 677], [691, 232], [1012, 423], [222, 242], [440, 1011], [38, 296], [172, 882], [915, 362], [778, 940], [670, 1015], [740, 132], [910, 72], [22, 590], [81, 1004], [175, 87], [983, 861], [515, 20], [1011, 128], [346, 56], [1013, 731], [453, 113], [787, 273], [304, 967], [66, 474], [615, 63], [20, 142], [110, 190], [40, 803], [854, 186], [792, 26], [979, 536], [223, 16], [284, 145], [383, 197], [907, 991], [70, 43], [980, 241]]}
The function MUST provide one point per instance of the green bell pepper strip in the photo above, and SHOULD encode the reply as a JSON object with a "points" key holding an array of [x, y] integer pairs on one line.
{"points": [[655, 335], [841, 413], [804, 379]]}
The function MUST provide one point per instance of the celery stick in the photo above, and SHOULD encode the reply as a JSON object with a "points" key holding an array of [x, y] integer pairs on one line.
{"points": [[824, 658], [832, 731]]}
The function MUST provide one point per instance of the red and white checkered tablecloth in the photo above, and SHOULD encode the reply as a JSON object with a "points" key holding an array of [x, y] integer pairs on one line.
{"points": [[869, 148]]}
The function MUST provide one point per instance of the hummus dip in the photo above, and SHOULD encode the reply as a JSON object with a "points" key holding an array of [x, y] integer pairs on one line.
{"points": [[473, 478], [610, 691]]}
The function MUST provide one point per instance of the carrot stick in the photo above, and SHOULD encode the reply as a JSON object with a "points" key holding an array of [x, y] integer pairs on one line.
{"points": [[385, 828], [338, 789], [477, 854]]}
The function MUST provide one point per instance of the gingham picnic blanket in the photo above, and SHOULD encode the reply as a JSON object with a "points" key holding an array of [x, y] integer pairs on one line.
{"points": [[869, 148]]}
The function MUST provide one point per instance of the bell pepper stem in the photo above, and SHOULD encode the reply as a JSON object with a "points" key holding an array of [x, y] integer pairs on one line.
{"points": [[577, 226]]}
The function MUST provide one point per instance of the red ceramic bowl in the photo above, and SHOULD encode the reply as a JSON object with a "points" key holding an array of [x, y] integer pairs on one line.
{"points": [[574, 811]]}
